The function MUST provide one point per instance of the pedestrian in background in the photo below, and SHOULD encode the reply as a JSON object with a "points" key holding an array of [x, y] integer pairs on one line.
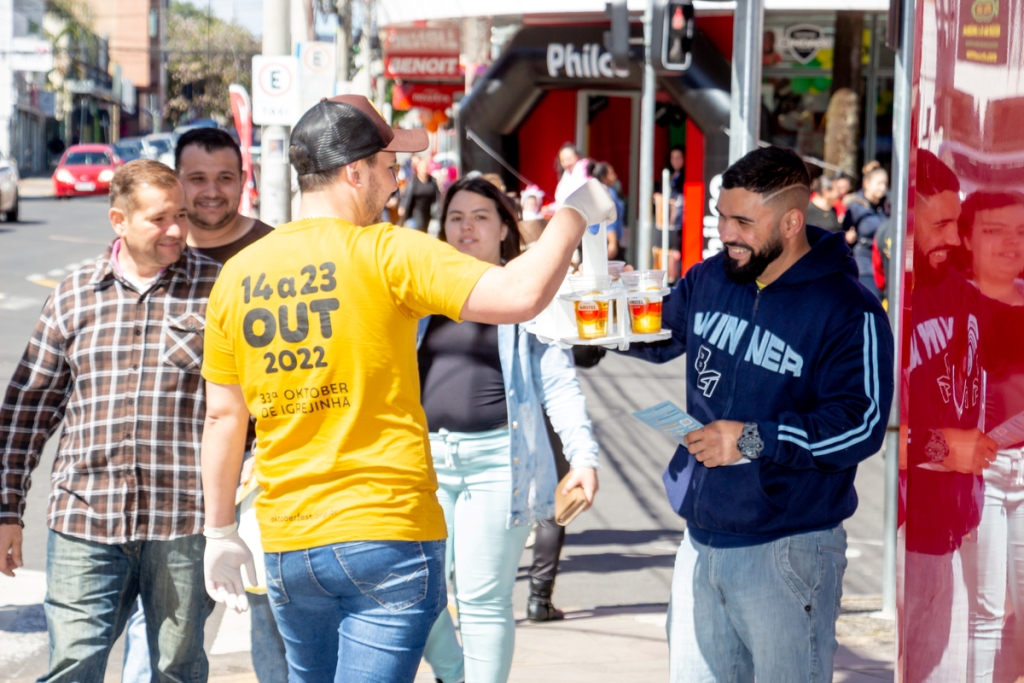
{"points": [[605, 174], [572, 172], [791, 377], [486, 390], [314, 333], [821, 210], [867, 210], [209, 164], [420, 196], [115, 358]]}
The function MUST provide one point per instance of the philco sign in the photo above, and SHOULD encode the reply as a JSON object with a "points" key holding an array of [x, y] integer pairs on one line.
{"points": [[590, 61]]}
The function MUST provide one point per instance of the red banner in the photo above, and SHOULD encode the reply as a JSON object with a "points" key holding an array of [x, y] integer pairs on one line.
{"points": [[426, 95], [242, 111]]}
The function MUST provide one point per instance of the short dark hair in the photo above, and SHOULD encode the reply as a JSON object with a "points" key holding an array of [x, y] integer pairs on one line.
{"points": [[933, 176], [598, 170], [210, 139], [767, 170], [511, 245], [321, 180]]}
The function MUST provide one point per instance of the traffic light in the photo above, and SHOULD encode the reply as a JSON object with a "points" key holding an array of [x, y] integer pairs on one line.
{"points": [[672, 35], [617, 40]]}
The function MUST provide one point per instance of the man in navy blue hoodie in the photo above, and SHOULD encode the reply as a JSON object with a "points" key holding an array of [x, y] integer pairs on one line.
{"points": [[792, 375]]}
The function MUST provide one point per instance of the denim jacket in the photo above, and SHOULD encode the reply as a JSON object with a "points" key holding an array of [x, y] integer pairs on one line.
{"points": [[539, 378]]}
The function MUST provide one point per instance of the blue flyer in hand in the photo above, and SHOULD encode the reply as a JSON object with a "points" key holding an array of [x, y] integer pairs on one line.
{"points": [[669, 419]]}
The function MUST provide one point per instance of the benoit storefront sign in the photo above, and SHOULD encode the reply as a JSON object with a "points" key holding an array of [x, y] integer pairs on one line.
{"points": [[423, 54]]}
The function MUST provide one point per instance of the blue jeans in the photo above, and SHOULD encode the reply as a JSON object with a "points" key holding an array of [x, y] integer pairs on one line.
{"points": [[268, 659], [767, 611], [91, 589], [356, 612], [474, 488]]}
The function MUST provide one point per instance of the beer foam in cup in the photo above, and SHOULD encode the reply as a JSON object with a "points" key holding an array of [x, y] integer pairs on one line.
{"points": [[590, 284], [643, 280]]}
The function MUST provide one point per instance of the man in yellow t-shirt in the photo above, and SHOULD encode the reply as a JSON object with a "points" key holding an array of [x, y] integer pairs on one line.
{"points": [[313, 331]]}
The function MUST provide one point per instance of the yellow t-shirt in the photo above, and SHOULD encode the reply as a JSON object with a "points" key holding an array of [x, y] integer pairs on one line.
{"points": [[317, 323]]}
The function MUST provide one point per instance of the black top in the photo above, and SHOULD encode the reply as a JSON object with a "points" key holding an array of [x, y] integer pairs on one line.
{"points": [[460, 376], [419, 199], [823, 219], [222, 253]]}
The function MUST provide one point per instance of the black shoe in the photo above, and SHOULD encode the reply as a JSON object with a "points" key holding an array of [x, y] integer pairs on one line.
{"points": [[539, 607]]}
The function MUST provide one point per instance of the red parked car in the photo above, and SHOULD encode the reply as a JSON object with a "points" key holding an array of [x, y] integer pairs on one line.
{"points": [[85, 170]]}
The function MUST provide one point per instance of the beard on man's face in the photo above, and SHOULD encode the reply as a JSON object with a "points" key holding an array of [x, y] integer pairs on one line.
{"points": [[759, 260], [925, 271]]}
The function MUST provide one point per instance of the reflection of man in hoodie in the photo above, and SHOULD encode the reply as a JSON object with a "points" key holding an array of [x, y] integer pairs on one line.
{"points": [[792, 378], [954, 333]]}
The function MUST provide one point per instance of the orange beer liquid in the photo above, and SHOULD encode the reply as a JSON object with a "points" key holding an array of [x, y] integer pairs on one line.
{"points": [[592, 319], [644, 315]]}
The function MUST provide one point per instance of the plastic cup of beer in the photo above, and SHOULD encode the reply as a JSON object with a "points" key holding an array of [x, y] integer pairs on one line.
{"points": [[591, 315], [615, 269], [644, 300]]}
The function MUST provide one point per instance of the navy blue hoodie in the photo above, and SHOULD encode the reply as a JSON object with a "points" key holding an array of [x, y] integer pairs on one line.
{"points": [[809, 358]]}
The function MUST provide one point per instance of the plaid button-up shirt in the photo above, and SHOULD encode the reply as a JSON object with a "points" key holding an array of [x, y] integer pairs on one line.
{"points": [[121, 370]]}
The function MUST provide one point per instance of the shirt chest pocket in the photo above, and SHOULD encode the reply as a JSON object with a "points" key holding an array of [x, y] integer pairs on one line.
{"points": [[183, 341]]}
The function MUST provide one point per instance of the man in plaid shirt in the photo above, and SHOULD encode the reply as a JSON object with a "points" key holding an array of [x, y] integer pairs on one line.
{"points": [[116, 356]]}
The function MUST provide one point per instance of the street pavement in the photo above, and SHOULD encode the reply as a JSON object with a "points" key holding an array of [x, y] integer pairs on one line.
{"points": [[617, 564]]}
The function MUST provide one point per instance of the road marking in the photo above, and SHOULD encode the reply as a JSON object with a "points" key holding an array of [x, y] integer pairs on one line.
{"points": [[16, 303], [42, 281], [78, 240]]}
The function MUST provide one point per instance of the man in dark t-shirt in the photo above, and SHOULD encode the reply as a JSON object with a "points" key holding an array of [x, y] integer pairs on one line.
{"points": [[209, 164]]}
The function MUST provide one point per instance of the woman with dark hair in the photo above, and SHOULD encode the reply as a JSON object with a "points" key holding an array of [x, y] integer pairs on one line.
{"points": [[485, 390], [866, 211], [420, 195]]}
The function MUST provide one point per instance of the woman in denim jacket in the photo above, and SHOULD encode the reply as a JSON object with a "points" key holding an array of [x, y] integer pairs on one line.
{"points": [[485, 390]]}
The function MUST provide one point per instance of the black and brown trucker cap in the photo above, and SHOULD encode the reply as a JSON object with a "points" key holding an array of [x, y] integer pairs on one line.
{"points": [[340, 130]]}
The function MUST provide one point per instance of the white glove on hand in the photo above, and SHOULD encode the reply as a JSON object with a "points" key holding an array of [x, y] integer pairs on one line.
{"points": [[222, 565], [593, 202]]}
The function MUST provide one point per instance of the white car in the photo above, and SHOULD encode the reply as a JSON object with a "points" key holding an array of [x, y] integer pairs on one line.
{"points": [[8, 189]]}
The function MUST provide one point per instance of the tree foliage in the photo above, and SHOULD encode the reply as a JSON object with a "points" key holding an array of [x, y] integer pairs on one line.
{"points": [[204, 56]]}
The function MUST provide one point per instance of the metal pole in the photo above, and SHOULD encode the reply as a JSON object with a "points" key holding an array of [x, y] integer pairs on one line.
{"points": [[902, 106], [666, 218], [745, 114], [158, 120], [342, 39], [275, 173], [644, 223]]}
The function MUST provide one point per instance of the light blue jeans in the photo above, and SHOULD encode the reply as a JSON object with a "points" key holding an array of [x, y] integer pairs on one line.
{"points": [[993, 560], [356, 612], [91, 589], [767, 611], [474, 487]]}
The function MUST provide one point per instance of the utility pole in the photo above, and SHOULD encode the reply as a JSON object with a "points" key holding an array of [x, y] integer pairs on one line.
{"points": [[902, 105], [161, 96], [745, 115], [364, 81], [342, 39], [645, 224], [275, 172]]}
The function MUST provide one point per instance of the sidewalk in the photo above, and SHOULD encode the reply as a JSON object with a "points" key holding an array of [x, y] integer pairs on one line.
{"points": [[614, 644], [35, 188]]}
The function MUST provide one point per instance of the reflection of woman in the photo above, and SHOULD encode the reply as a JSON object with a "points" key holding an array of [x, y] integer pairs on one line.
{"points": [[992, 229], [867, 210], [485, 390]]}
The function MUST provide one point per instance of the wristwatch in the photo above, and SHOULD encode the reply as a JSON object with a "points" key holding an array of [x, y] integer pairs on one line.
{"points": [[750, 443], [936, 450]]}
